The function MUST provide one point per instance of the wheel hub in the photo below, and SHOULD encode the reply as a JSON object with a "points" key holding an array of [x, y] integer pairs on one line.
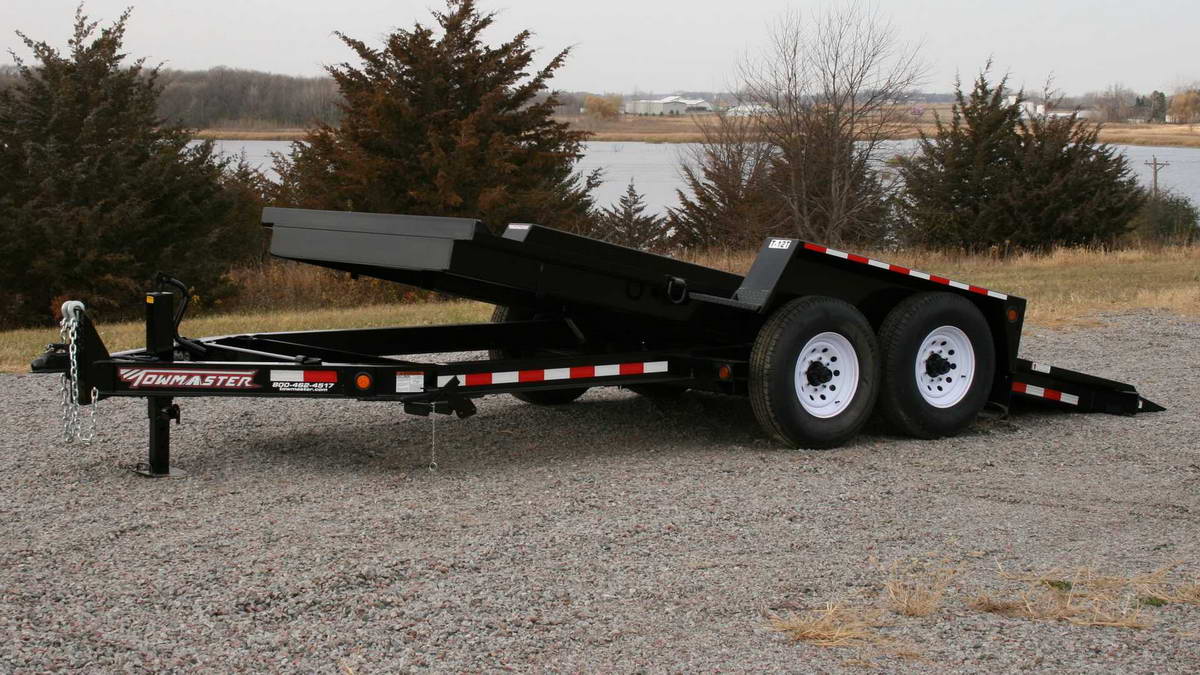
{"points": [[937, 365], [826, 375], [945, 366], [818, 373]]}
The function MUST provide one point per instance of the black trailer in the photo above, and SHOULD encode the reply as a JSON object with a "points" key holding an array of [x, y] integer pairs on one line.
{"points": [[818, 338]]}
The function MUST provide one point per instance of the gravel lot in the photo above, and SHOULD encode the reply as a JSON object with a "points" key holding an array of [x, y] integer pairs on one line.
{"points": [[610, 534]]}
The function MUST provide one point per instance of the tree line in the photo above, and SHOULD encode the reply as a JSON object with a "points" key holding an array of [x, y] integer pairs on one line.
{"points": [[99, 188], [230, 98]]}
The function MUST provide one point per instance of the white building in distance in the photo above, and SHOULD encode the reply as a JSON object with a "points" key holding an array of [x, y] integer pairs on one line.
{"points": [[671, 105], [1029, 109], [748, 110]]}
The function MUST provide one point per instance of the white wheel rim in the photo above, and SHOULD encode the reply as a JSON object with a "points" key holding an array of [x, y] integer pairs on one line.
{"points": [[945, 367], [826, 376]]}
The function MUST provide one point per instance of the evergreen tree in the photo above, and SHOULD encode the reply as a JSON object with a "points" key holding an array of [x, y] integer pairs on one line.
{"points": [[954, 182], [96, 195], [730, 198], [990, 176], [1168, 218], [1158, 107], [627, 224], [436, 122]]}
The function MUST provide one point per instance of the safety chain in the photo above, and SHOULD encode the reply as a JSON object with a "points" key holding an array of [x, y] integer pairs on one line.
{"points": [[433, 465], [74, 428]]}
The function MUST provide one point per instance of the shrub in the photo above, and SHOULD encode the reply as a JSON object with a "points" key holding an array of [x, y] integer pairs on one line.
{"points": [[96, 195], [990, 177], [1168, 218]]}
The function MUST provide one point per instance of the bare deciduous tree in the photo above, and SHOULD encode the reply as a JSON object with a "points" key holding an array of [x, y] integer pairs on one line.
{"points": [[1114, 104], [1185, 105], [832, 86]]}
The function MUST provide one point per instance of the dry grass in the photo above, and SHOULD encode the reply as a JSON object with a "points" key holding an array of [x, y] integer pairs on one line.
{"points": [[834, 626], [283, 284], [1052, 604], [1066, 286], [917, 592], [1082, 597], [682, 129], [250, 134], [1087, 597], [1179, 135], [18, 347]]}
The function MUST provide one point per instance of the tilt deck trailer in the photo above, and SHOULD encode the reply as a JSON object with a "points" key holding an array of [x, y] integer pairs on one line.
{"points": [[817, 338]]}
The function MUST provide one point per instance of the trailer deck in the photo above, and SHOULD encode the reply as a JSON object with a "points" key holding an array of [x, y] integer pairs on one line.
{"points": [[575, 312]]}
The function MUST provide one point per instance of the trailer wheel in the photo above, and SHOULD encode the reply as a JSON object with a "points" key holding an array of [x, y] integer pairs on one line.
{"points": [[550, 397], [814, 372], [938, 364]]}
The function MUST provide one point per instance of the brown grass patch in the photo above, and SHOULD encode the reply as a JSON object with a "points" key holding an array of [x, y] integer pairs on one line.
{"points": [[1046, 603], [917, 592], [682, 129], [250, 134], [834, 626], [1087, 597], [285, 285]]}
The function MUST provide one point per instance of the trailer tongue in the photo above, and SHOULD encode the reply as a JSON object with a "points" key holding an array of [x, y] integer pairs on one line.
{"points": [[818, 338]]}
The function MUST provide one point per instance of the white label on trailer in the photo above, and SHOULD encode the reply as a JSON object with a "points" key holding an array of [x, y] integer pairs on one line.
{"points": [[1041, 368], [410, 383], [780, 243]]}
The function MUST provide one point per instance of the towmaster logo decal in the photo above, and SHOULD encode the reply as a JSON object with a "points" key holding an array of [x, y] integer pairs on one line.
{"points": [[145, 378]]}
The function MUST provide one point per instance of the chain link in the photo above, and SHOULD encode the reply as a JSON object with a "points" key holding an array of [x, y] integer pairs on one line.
{"points": [[433, 465], [73, 424]]}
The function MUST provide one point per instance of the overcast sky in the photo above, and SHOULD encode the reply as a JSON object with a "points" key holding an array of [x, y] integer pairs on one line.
{"points": [[665, 45]]}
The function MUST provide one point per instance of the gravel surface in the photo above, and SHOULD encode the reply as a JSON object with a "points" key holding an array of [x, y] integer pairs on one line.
{"points": [[609, 534]]}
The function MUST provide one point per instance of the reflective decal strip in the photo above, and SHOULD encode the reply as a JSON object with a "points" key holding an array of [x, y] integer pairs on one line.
{"points": [[1042, 392], [550, 374], [304, 376], [903, 270]]}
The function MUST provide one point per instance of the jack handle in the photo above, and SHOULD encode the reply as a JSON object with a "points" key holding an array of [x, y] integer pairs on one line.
{"points": [[166, 282]]}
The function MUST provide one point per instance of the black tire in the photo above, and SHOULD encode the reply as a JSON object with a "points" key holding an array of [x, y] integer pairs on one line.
{"points": [[774, 362], [549, 397], [901, 337]]}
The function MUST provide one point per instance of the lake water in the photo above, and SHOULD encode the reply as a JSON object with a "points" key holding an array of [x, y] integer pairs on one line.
{"points": [[654, 167]]}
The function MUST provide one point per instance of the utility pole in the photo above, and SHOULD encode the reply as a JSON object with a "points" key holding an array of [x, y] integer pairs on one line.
{"points": [[1155, 166]]}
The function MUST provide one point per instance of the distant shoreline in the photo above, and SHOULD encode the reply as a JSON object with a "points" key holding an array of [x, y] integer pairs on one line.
{"points": [[629, 129]]}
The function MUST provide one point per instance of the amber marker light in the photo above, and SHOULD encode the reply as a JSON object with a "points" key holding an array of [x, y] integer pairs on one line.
{"points": [[362, 381], [724, 372], [1012, 315]]}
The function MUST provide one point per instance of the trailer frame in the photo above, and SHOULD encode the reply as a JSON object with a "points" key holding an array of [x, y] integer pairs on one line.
{"points": [[592, 314]]}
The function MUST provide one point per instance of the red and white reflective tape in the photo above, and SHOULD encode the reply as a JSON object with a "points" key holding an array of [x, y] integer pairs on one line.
{"points": [[310, 376], [1042, 392], [903, 270], [550, 374]]}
